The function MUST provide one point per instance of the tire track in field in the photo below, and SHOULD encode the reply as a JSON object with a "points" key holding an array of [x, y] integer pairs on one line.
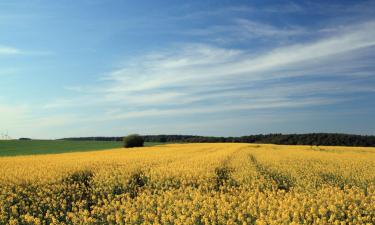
{"points": [[281, 181]]}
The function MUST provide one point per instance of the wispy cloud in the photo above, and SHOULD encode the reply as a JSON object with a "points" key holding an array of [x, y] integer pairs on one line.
{"points": [[197, 79], [7, 50], [271, 8], [244, 29], [10, 51], [359, 7], [150, 72]]}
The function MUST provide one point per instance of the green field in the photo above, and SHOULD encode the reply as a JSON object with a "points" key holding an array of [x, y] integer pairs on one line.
{"points": [[34, 147]]}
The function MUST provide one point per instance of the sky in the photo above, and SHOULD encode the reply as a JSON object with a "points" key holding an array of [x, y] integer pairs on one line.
{"points": [[219, 68]]}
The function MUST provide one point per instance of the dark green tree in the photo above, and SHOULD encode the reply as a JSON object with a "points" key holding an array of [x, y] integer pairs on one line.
{"points": [[133, 140]]}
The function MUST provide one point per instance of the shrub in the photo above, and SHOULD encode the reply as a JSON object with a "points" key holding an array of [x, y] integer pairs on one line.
{"points": [[133, 140], [24, 139]]}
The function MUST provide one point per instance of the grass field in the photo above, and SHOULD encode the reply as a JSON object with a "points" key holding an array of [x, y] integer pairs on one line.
{"points": [[34, 147], [191, 184]]}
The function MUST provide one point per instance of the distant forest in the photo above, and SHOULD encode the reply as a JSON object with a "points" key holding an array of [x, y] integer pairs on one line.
{"points": [[329, 139]]}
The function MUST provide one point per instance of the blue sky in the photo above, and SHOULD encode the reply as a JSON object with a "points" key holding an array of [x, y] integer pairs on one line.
{"points": [[226, 68]]}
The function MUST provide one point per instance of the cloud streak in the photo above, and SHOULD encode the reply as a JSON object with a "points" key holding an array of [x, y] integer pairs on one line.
{"points": [[195, 79], [188, 66], [12, 51], [7, 50], [241, 30]]}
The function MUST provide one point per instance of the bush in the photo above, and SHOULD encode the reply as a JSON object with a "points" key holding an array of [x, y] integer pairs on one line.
{"points": [[24, 139], [133, 140]]}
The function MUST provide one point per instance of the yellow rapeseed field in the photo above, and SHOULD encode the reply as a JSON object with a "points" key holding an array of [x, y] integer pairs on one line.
{"points": [[192, 184]]}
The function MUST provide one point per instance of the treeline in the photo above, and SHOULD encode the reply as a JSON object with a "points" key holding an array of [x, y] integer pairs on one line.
{"points": [[329, 139]]}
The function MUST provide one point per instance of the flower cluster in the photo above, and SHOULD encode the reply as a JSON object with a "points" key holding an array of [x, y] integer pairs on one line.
{"points": [[191, 184]]}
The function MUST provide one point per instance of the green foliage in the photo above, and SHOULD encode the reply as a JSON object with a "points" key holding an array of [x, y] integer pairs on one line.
{"points": [[133, 140]]}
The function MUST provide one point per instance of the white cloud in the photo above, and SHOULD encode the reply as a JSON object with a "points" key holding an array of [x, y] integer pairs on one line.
{"points": [[187, 66], [186, 76], [251, 105], [244, 30], [11, 51], [6, 50], [200, 79]]}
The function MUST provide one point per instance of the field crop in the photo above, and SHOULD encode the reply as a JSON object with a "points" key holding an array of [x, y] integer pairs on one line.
{"points": [[191, 184], [36, 147]]}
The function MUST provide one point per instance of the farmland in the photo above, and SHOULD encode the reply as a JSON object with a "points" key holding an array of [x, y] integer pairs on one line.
{"points": [[34, 147], [191, 184]]}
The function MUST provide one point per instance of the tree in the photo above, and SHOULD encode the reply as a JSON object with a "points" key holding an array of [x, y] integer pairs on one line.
{"points": [[133, 140]]}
